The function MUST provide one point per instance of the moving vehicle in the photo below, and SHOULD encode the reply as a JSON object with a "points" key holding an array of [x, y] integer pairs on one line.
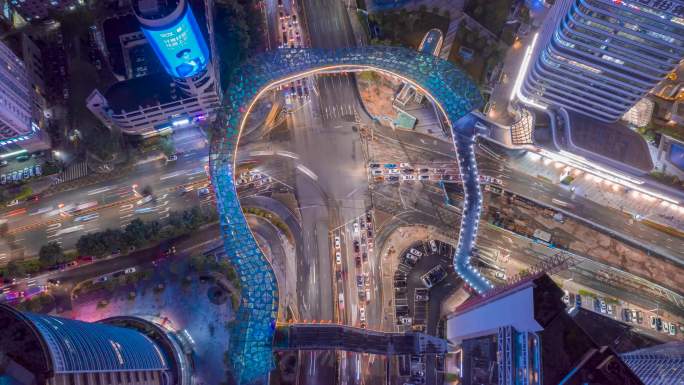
{"points": [[338, 258], [86, 218], [433, 246], [146, 199], [130, 270], [337, 243]]}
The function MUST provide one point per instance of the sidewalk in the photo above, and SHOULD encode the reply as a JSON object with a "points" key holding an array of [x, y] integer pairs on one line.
{"points": [[604, 192]]}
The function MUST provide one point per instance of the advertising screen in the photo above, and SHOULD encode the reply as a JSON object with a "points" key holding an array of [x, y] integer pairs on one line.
{"points": [[181, 47], [677, 155]]}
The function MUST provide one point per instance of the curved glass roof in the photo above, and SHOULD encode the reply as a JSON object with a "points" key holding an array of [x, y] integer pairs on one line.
{"points": [[82, 346]]}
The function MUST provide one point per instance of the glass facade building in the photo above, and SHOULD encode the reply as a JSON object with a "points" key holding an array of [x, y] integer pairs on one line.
{"points": [[56, 351], [171, 29], [658, 365], [600, 57]]}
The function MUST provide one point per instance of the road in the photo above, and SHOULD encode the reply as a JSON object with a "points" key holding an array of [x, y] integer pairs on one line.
{"points": [[31, 225], [530, 186]]}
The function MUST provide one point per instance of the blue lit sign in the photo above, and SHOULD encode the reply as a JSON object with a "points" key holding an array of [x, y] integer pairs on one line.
{"points": [[180, 48]]}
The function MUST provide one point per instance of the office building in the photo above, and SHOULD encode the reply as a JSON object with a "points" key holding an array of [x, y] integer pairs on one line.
{"points": [[41, 9], [150, 101], [523, 334], [20, 105], [42, 349], [658, 365], [600, 57]]}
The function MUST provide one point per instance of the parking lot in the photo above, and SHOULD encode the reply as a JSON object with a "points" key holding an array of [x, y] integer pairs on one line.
{"points": [[424, 276]]}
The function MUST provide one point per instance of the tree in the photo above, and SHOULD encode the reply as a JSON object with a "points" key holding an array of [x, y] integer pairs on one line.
{"points": [[15, 270], [51, 254]]}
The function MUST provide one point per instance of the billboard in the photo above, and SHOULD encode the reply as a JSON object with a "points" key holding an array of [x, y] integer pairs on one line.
{"points": [[180, 47], [677, 155]]}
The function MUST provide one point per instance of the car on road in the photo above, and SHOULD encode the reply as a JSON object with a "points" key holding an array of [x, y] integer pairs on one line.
{"points": [[145, 199], [13, 202], [408, 177], [356, 228], [502, 276], [203, 192], [374, 165], [390, 165], [393, 171], [103, 278], [408, 171], [172, 158], [393, 178], [673, 329], [130, 270], [602, 306], [416, 252], [3, 179], [337, 243], [404, 165], [340, 299], [86, 218], [357, 261], [357, 246], [566, 297], [362, 314], [422, 297], [424, 177], [338, 258], [377, 172], [38, 170], [436, 275]]}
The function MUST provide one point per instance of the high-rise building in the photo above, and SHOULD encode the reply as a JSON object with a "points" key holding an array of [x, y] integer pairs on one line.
{"points": [[41, 9], [600, 57], [19, 110], [658, 365], [523, 334], [188, 91], [40, 349]]}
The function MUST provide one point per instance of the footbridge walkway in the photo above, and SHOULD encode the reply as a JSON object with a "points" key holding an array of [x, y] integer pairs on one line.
{"points": [[352, 339], [451, 90]]}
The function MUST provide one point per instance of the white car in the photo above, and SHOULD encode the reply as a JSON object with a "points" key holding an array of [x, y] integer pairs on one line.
{"points": [[433, 246], [377, 172], [393, 171], [356, 227], [408, 177], [337, 243], [13, 202], [130, 270], [340, 298], [566, 297], [362, 314], [338, 258], [603, 307], [416, 252], [500, 275], [404, 165]]}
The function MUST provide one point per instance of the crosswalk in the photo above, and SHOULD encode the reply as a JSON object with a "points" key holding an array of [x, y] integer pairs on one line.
{"points": [[74, 171], [338, 111]]}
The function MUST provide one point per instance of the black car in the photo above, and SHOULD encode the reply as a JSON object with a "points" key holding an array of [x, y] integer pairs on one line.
{"points": [[374, 165], [408, 171], [357, 248], [365, 256], [393, 178]]}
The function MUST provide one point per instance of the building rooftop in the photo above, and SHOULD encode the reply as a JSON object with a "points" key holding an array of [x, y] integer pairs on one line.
{"points": [[114, 27], [614, 141], [144, 91]]}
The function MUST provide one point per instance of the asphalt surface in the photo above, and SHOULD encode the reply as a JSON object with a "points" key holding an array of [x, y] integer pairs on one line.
{"points": [[33, 224]]}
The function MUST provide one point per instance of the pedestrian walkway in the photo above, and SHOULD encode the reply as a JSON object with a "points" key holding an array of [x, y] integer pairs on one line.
{"points": [[73, 172], [352, 339], [450, 37]]}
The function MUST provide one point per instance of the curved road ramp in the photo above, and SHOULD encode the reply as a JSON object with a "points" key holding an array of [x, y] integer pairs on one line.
{"points": [[251, 341]]}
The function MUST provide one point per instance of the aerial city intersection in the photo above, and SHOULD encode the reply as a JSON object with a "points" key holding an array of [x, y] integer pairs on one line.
{"points": [[342, 192]]}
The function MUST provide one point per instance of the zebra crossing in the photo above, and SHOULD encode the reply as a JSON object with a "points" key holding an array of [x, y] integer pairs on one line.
{"points": [[74, 171], [338, 111]]}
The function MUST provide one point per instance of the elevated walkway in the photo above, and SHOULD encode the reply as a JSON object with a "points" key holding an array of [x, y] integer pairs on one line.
{"points": [[352, 339]]}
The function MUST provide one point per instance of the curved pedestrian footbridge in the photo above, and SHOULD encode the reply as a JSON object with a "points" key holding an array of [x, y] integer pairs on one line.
{"points": [[251, 341]]}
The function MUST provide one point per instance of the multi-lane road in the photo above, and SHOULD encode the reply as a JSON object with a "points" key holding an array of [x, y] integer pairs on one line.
{"points": [[63, 217]]}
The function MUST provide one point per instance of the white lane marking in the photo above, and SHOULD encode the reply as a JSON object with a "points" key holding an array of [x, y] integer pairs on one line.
{"points": [[100, 190], [172, 175], [305, 170]]}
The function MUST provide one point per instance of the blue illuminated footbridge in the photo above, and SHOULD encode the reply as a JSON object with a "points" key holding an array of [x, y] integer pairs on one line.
{"points": [[447, 86]]}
